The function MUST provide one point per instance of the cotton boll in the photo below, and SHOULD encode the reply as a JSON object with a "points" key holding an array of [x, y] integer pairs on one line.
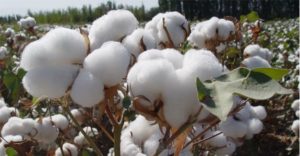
{"points": [[147, 78], [295, 105], [295, 126], [233, 128], [65, 46], [151, 144], [259, 112], [297, 113], [130, 150], [46, 132], [228, 150], [255, 126], [210, 27], [60, 121], [255, 62], [12, 127], [51, 82], [68, 149], [9, 32], [6, 113], [175, 23], [245, 113], [135, 41], [87, 90], [225, 28], [197, 38], [180, 98], [202, 64], [217, 141], [255, 50], [28, 22], [3, 52], [78, 115], [151, 54], [108, 63], [112, 27]]}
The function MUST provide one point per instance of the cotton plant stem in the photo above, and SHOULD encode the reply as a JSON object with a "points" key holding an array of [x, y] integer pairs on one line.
{"points": [[90, 141]]}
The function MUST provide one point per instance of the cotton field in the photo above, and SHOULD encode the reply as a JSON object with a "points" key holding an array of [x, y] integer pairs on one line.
{"points": [[169, 86]]}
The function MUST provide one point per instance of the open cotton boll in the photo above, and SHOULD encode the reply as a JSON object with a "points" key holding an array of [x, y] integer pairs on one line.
{"points": [[152, 143], [245, 113], [65, 46], [9, 32], [46, 132], [233, 128], [68, 149], [87, 90], [28, 22], [210, 27], [295, 105], [108, 63], [295, 126], [51, 82], [202, 64], [297, 113], [138, 40], [3, 52], [197, 39], [151, 54], [259, 112], [255, 62], [112, 27], [255, 126], [228, 150], [80, 139], [148, 77], [255, 50], [60, 121], [180, 98], [78, 115], [13, 126], [225, 28], [177, 26]]}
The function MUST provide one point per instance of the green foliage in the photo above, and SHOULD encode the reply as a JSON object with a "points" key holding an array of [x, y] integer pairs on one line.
{"points": [[11, 152], [12, 82], [251, 17], [259, 84]]}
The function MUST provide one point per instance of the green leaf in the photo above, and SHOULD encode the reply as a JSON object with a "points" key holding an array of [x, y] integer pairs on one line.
{"points": [[13, 84], [126, 102], [274, 73], [252, 16], [11, 152], [259, 84]]}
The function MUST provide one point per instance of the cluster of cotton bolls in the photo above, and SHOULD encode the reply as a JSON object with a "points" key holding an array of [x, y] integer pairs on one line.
{"points": [[27, 23], [3, 52], [256, 57], [212, 29], [168, 76], [67, 149], [169, 29], [296, 123], [142, 137], [81, 140], [232, 132]]}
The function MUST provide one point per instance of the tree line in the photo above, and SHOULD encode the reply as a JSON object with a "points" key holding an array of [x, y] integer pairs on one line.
{"points": [[192, 9]]}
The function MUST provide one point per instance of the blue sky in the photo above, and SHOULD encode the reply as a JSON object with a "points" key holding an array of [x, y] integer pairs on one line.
{"points": [[10, 7]]}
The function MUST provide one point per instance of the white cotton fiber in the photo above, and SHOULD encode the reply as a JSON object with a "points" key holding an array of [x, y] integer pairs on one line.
{"points": [[197, 39], [245, 113], [176, 25], [65, 46], [217, 141], [6, 113], [108, 63], [255, 62], [60, 121], [180, 98], [151, 26], [135, 41], [295, 105], [259, 112], [255, 126], [202, 64], [233, 128], [3, 52], [9, 32], [112, 27], [225, 28], [255, 50], [51, 82], [295, 126], [78, 115], [87, 90], [148, 77], [46, 132], [68, 149]]}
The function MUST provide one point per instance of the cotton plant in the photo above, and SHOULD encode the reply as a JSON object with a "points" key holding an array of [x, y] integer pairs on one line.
{"points": [[27, 23]]}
